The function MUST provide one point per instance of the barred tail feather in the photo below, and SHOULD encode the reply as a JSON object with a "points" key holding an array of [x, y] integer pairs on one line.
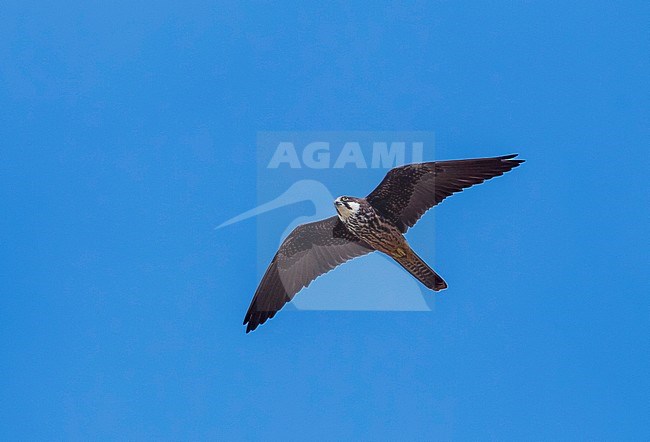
{"points": [[418, 268]]}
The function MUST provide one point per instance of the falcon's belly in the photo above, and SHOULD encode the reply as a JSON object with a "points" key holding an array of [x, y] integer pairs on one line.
{"points": [[378, 233]]}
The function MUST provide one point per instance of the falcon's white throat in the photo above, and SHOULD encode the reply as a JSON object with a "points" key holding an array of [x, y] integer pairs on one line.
{"points": [[346, 208]]}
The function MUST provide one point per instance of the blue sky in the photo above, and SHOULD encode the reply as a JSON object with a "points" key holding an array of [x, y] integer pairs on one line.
{"points": [[129, 132]]}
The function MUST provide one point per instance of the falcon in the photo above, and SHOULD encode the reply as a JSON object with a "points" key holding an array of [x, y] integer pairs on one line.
{"points": [[364, 225]]}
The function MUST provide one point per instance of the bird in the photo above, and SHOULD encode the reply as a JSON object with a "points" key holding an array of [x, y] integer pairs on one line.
{"points": [[377, 222]]}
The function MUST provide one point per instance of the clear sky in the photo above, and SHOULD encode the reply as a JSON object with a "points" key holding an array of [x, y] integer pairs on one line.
{"points": [[128, 132]]}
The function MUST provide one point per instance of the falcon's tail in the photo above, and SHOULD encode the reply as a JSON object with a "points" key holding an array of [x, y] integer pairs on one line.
{"points": [[418, 268]]}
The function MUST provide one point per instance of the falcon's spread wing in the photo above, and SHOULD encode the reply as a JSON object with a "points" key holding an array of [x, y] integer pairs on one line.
{"points": [[308, 252], [408, 191]]}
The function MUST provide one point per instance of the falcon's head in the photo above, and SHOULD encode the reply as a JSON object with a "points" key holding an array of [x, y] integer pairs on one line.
{"points": [[347, 206]]}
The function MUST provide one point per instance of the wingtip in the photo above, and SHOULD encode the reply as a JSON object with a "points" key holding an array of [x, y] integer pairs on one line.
{"points": [[508, 157], [247, 323], [250, 326], [254, 320], [512, 159]]}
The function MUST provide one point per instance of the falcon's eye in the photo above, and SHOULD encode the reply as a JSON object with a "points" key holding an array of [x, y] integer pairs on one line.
{"points": [[345, 198]]}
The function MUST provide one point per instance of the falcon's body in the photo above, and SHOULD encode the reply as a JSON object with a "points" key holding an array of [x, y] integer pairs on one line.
{"points": [[362, 220], [369, 225], [363, 225]]}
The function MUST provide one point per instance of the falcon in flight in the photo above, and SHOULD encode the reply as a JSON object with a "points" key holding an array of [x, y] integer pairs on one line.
{"points": [[363, 225]]}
